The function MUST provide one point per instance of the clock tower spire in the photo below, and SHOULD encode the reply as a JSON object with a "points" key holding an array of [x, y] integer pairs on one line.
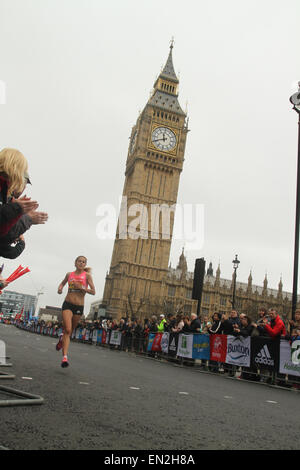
{"points": [[154, 163]]}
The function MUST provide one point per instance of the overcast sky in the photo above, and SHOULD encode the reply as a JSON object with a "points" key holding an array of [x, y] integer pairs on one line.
{"points": [[78, 72]]}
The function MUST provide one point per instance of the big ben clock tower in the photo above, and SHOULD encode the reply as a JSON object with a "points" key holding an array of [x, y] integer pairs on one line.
{"points": [[154, 163]]}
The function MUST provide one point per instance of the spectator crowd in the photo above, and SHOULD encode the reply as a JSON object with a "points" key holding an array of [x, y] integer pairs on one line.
{"points": [[268, 323]]}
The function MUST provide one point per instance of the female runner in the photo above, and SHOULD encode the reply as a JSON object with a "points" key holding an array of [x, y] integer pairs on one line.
{"points": [[72, 308]]}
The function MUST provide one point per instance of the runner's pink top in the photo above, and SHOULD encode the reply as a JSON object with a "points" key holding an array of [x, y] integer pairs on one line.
{"points": [[79, 278]]}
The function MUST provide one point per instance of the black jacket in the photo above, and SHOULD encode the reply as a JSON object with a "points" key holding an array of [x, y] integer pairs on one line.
{"points": [[195, 324], [226, 327], [20, 227], [138, 331], [153, 327], [216, 327], [12, 252], [244, 331], [10, 212]]}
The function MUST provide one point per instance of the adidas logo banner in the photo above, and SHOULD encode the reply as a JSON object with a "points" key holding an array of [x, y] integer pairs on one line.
{"points": [[264, 353]]}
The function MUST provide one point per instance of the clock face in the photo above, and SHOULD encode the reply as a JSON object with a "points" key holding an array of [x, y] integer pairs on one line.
{"points": [[295, 100], [164, 139], [133, 141]]}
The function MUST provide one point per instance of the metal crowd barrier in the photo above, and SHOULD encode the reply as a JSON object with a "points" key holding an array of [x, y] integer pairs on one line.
{"points": [[16, 397], [257, 359], [19, 398]]}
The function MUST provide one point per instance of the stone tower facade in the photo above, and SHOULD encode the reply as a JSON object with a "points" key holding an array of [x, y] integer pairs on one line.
{"points": [[139, 264]]}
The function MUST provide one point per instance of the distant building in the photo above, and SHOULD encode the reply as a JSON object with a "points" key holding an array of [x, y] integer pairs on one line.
{"points": [[50, 314], [176, 296], [217, 293], [12, 302], [96, 311]]}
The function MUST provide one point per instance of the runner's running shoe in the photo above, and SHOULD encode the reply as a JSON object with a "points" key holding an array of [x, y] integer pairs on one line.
{"points": [[65, 362], [59, 344]]}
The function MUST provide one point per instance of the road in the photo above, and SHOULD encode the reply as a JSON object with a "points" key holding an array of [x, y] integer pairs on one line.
{"points": [[112, 400]]}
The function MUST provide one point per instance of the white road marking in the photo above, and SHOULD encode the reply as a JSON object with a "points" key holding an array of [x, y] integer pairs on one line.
{"points": [[271, 401], [183, 393], [134, 388], [84, 383], [27, 378], [227, 396]]}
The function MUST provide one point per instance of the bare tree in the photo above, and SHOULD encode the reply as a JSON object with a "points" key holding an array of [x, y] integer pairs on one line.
{"points": [[135, 310]]}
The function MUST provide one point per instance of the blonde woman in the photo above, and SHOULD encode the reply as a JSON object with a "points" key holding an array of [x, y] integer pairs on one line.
{"points": [[17, 214], [79, 282], [13, 174]]}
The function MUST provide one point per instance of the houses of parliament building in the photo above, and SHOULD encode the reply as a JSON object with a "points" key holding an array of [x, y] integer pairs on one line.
{"points": [[140, 281]]}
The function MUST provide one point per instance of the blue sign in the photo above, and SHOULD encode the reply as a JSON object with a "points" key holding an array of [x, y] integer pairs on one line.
{"points": [[201, 348], [99, 336], [150, 341]]}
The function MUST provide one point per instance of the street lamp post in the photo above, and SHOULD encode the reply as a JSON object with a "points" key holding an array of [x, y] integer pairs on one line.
{"points": [[236, 263], [295, 100]]}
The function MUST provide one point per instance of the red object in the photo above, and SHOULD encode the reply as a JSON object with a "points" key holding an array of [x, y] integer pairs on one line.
{"points": [[277, 330], [19, 315], [14, 273], [218, 348], [20, 271], [156, 345], [103, 341]]}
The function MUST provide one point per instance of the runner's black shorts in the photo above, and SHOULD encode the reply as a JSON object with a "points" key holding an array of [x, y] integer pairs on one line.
{"points": [[75, 309]]}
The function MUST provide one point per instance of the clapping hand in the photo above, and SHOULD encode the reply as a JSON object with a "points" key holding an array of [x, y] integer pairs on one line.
{"points": [[38, 217], [26, 204]]}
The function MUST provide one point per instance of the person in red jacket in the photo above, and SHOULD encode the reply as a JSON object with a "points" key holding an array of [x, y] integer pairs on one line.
{"points": [[276, 327]]}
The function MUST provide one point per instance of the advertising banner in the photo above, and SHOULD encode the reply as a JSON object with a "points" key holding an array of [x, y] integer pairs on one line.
{"points": [[218, 348], [173, 344], [238, 350], [94, 336], [150, 341], [106, 336], [115, 337], [98, 336], [165, 343], [289, 358], [201, 348], [264, 353], [154, 342], [185, 346]]}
